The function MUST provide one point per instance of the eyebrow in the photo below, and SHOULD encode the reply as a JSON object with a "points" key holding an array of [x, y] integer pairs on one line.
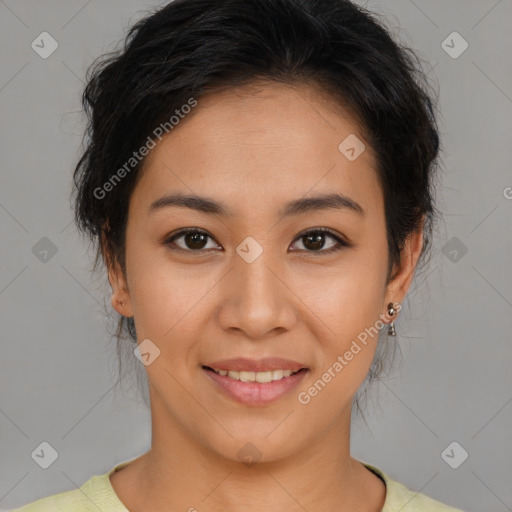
{"points": [[295, 207]]}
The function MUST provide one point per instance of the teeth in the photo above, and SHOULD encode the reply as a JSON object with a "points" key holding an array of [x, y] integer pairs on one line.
{"points": [[257, 376]]}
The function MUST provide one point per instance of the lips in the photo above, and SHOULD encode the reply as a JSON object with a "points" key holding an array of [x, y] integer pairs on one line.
{"points": [[255, 394], [241, 364]]}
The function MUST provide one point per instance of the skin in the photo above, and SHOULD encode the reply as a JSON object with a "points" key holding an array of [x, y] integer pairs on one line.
{"points": [[255, 148]]}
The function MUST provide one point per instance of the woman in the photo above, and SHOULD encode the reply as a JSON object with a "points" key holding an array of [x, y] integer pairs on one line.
{"points": [[259, 179]]}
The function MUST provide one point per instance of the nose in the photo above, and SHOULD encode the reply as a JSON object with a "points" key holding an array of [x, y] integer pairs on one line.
{"points": [[258, 298]]}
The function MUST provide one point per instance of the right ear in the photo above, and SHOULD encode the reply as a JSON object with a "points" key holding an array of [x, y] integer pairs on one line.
{"points": [[120, 298]]}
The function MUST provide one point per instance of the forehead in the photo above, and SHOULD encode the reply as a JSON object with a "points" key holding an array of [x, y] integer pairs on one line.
{"points": [[263, 139]]}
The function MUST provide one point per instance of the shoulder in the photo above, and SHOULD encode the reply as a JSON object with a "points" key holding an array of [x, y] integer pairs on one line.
{"points": [[72, 501], [95, 494], [400, 498]]}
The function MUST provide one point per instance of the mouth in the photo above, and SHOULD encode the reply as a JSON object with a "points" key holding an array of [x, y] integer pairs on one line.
{"points": [[260, 377], [253, 388]]}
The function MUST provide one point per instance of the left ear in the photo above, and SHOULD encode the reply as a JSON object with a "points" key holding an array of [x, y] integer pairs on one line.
{"points": [[397, 288]]}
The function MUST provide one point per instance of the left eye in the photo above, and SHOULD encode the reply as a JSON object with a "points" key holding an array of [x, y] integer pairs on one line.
{"points": [[313, 240]]}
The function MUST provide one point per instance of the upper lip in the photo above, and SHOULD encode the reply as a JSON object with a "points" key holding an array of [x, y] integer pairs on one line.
{"points": [[242, 364]]}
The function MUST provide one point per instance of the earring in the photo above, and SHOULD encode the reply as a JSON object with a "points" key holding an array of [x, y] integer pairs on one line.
{"points": [[391, 312]]}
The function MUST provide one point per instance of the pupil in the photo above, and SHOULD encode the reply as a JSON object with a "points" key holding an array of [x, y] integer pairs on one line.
{"points": [[318, 240], [195, 238]]}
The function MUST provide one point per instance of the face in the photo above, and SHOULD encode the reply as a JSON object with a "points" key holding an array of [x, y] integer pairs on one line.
{"points": [[264, 271]]}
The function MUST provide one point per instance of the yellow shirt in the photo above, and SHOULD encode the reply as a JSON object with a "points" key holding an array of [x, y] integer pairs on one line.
{"points": [[98, 494]]}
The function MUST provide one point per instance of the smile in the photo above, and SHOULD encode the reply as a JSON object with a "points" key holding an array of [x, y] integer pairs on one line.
{"points": [[267, 376], [255, 388]]}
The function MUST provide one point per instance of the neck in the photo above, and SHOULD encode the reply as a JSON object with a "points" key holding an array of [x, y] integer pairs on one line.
{"points": [[182, 474]]}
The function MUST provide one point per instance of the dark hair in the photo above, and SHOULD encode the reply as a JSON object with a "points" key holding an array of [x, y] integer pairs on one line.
{"points": [[191, 47]]}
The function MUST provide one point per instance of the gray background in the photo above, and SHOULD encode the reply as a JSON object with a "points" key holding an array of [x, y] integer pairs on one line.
{"points": [[58, 362]]}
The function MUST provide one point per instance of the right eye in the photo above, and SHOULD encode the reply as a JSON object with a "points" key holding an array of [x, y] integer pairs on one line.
{"points": [[194, 240]]}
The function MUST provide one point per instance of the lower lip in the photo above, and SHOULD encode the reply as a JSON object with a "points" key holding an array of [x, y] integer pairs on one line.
{"points": [[256, 393]]}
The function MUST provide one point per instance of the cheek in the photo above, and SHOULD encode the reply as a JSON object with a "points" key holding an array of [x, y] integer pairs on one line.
{"points": [[346, 298], [347, 324], [166, 301], [343, 311]]}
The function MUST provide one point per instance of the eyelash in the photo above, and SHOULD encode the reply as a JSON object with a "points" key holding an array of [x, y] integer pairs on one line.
{"points": [[341, 243]]}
